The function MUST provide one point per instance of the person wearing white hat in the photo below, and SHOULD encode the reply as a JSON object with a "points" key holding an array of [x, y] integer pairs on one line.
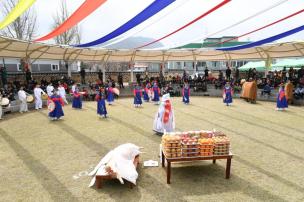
{"points": [[164, 118], [62, 93], [37, 93], [22, 98], [50, 89]]}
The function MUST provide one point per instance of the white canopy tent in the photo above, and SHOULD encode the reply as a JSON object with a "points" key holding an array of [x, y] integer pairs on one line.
{"points": [[12, 48]]}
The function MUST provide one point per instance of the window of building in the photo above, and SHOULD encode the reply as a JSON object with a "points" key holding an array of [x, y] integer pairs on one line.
{"points": [[19, 68], [55, 67]]}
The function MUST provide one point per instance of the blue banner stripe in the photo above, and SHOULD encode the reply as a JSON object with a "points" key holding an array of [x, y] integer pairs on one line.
{"points": [[148, 12], [264, 41]]}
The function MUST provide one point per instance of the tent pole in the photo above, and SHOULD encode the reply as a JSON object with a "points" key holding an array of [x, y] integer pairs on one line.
{"points": [[131, 64], [194, 62], [131, 76], [104, 67], [268, 65]]}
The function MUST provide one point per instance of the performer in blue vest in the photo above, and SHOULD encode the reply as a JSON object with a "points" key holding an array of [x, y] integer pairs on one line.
{"points": [[156, 92], [281, 99], [110, 97], [186, 93], [137, 96], [227, 94], [101, 103], [77, 103], [55, 104]]}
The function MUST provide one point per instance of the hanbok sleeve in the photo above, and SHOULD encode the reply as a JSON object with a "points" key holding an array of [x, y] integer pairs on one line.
{"points": [[61, 101], [97, 97], [281, 95]]}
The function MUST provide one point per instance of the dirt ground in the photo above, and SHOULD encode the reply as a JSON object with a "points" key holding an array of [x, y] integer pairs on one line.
{"points": [[42, 160]]}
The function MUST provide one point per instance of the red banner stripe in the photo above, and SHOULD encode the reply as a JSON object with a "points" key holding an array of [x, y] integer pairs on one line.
{"points": [[268, 25], [188, 24], [82, 12]]}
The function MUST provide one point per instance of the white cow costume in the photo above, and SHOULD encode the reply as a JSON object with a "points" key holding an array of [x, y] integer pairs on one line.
{"points": [[120, 160], [164, 118], [37, 93]]}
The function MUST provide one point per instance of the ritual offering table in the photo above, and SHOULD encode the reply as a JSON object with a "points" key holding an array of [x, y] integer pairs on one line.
{"points": [[195, 146]]}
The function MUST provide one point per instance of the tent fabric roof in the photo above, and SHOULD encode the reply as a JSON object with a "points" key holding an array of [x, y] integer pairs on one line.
{"points": [[290, 63], [295, 63], [13, 48], [259, 66]]}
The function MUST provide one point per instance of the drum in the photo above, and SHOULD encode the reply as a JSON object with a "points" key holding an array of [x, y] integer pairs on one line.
{"points": [[51, 105], [29, 99], [44, 96], [5, 102], [249, 91], [116, 91]]}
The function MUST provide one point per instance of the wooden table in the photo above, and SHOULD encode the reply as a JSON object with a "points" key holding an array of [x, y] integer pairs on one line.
{"points": [[100, 179], [197, 158]]}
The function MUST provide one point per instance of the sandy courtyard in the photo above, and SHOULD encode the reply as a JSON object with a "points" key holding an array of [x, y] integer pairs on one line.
{"points": [[42, 160]]}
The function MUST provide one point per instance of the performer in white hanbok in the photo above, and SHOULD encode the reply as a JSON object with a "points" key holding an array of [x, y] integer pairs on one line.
{"points": [[74, 86], [37, 93], [62, 93], [22, 98], [50, 89], [119, 163], [164, 118]]}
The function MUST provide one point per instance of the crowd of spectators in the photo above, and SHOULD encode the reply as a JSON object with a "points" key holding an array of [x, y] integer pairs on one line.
{"points": [[170, 83], [274, 78]]}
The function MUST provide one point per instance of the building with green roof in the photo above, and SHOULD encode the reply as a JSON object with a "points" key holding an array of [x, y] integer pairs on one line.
{"points": [[215, 43], [209, 43]]}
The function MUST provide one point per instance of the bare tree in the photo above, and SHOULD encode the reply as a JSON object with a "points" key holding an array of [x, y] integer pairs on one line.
{"points": [[24, 27], [71, 36]]}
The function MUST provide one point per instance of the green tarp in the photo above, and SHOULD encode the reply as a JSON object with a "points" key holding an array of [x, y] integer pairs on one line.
{"points": [[260, 65], [295, 63]]}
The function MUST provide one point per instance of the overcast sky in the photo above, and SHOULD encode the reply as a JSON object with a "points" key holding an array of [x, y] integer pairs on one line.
{"points": [[114, 13]]}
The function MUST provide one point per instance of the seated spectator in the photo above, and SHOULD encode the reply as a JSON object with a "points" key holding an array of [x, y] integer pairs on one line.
{"points": [[92, 93], [266, 89], [299, 92], [85, 94], [218, 84], [220, 76], [237, 88], [301, 80], [261, 83]]}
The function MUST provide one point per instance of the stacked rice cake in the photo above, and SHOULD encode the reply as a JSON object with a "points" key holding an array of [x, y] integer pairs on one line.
{"points": [[171, 146], [221, 145]]}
